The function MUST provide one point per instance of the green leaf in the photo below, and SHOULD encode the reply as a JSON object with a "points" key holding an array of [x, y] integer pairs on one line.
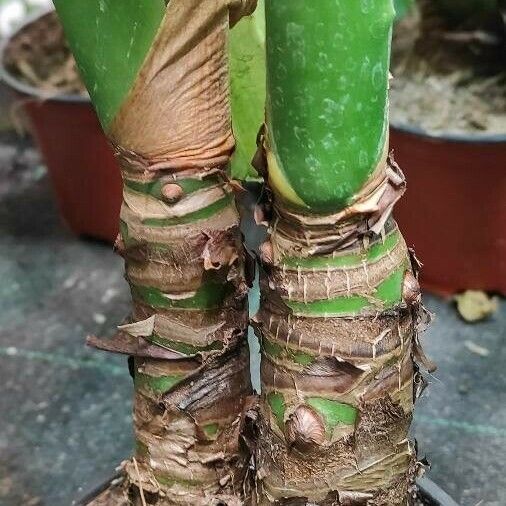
{"points": [[247, 78], [110, 40], [158, 384], [333, 412]]}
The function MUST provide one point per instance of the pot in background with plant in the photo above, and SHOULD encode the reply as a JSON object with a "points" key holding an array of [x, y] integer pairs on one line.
{"points": [[38, 67], [448, 130]]}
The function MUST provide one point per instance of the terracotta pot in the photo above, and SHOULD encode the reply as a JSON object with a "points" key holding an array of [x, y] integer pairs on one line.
{"points": [[82, 169], [454, 211]]}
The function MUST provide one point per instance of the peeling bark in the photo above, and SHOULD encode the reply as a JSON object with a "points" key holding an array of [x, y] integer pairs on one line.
{"points": [[186, 267], [187, 64], [187, 333], [338, 323]]}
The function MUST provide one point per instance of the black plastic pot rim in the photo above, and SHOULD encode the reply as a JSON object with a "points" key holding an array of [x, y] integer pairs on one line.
{"points": [[428, 488], [24, 88], [435, 493]]}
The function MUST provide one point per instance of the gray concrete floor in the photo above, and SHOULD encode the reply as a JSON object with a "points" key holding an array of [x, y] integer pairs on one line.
{"points": [[65, 409]]}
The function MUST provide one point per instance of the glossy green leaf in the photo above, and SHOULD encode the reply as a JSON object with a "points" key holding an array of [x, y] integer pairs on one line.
{"points": [[110, 40], [247, 78]]}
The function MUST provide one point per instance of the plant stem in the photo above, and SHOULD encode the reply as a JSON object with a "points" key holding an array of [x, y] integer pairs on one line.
{"points": [[159, 80], [339, 300]]}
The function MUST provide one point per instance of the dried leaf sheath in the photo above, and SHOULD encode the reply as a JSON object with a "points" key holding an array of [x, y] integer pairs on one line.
{"points": [[184, 258], [336, 340], [339, 300], [185, 266], [187, 64]]}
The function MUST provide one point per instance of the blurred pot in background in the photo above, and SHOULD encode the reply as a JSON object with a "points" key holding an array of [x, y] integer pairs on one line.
{"points": [[448, 107], [37, 66], [36, 63]]}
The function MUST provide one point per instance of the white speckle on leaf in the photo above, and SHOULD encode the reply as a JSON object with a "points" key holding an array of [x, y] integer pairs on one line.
{"points": [[378, 76], [329, 142]]}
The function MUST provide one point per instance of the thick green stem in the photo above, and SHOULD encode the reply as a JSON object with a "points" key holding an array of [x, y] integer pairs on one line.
{"points": [[327, 74], [339, 301]]}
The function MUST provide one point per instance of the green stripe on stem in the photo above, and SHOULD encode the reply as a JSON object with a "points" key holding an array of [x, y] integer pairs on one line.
{"points": [[110, 41], [158, 384], [339, 306], [375, 252], [201, 214], [123, 230], [132, 241], [169, 481], [141, 449], [277, 404], [333, 412], [185, 348], [270, 348], [210, 295], [154, 188], [211, 430], [275, 350], [327, 106], [387, 293], [300, 357]]}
